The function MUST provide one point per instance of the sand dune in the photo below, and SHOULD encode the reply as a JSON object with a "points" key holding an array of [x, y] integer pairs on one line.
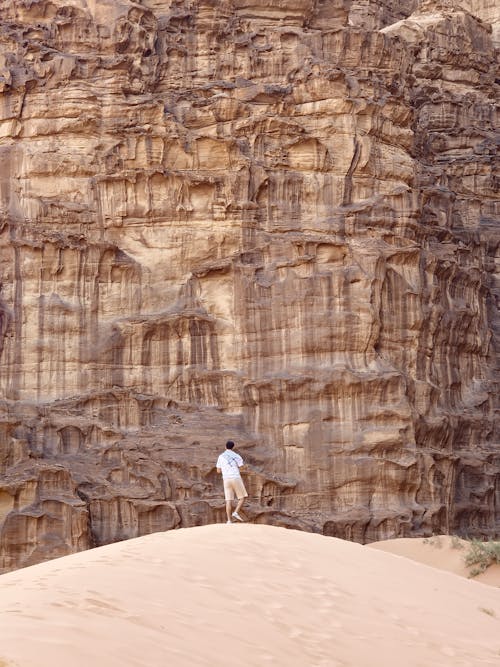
{"points": [[442, 551], [244, 596]]}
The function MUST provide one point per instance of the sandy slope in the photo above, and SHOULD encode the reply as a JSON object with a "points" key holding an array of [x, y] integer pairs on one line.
{"points": [[244, 595], [442, 551]]}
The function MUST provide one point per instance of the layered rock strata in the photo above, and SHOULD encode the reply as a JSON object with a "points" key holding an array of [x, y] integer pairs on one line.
{"points": [[275, 222]]}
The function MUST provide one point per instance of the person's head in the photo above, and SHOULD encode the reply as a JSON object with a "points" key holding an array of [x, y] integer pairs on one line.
{"points": [[229, 444]]}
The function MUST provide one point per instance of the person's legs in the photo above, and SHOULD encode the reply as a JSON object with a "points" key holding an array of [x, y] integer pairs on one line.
{"points": [[241, 494], [240, 504], [229, 495], [228, 509]]}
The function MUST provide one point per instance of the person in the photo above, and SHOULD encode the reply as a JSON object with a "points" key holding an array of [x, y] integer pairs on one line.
{"points": [[229, 464]]}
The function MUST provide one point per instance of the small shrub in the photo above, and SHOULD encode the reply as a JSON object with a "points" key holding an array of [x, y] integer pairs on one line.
{"points": [[481, 555], [485, 610], [433, 541], [456, 542]]}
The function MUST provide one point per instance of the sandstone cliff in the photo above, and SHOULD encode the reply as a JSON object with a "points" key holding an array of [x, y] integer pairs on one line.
{"points": [[273, 221]]}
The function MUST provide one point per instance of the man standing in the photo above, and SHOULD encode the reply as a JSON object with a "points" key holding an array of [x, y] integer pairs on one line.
{"points": [[229, 463]]}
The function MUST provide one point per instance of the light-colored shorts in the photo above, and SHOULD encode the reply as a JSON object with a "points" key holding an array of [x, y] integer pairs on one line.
{"points": [[234, 488]]}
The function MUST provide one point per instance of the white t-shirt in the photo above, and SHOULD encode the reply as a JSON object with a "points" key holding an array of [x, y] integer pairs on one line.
{"points": [[230, 463]]}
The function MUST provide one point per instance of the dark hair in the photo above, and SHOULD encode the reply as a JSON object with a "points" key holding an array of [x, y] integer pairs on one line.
{"points": [[229, 444]]}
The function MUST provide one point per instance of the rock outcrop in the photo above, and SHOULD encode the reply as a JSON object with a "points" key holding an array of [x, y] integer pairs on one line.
{"points": [[272, 221]]}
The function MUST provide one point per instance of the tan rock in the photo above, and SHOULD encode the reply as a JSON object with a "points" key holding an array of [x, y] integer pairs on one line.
{"points": [[267, 221]]}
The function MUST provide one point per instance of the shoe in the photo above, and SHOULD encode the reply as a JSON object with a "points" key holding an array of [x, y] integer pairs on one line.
{"points": [[229, 522], [237, 516]]}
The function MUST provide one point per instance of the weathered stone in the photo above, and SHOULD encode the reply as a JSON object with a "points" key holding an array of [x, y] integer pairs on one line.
{"points": [[272, 221]]}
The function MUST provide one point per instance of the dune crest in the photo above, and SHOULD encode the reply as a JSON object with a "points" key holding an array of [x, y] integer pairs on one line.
{"points": [[244, 595], [444, 552]]}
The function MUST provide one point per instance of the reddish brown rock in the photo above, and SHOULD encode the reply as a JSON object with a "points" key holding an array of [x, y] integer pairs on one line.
{"points": [[273, 221]]}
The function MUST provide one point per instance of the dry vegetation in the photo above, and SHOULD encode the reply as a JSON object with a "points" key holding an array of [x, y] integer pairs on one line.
{"points": [[480, 555]]}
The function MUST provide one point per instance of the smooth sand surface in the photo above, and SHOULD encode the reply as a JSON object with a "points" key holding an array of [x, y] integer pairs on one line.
{"points": [[442, 551], [244, 595]]}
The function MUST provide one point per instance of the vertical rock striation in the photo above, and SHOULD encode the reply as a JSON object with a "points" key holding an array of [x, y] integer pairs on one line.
{"points": [[272, 221]]}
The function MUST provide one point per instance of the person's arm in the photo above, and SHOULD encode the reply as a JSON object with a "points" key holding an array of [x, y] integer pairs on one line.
{"points": [[219, 470]]}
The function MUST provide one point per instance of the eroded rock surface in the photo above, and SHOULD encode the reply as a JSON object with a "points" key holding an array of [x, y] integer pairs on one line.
{"points": [[272, 221]]}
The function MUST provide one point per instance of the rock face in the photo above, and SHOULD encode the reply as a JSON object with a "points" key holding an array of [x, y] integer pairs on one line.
{"points": [[272, 221]]}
